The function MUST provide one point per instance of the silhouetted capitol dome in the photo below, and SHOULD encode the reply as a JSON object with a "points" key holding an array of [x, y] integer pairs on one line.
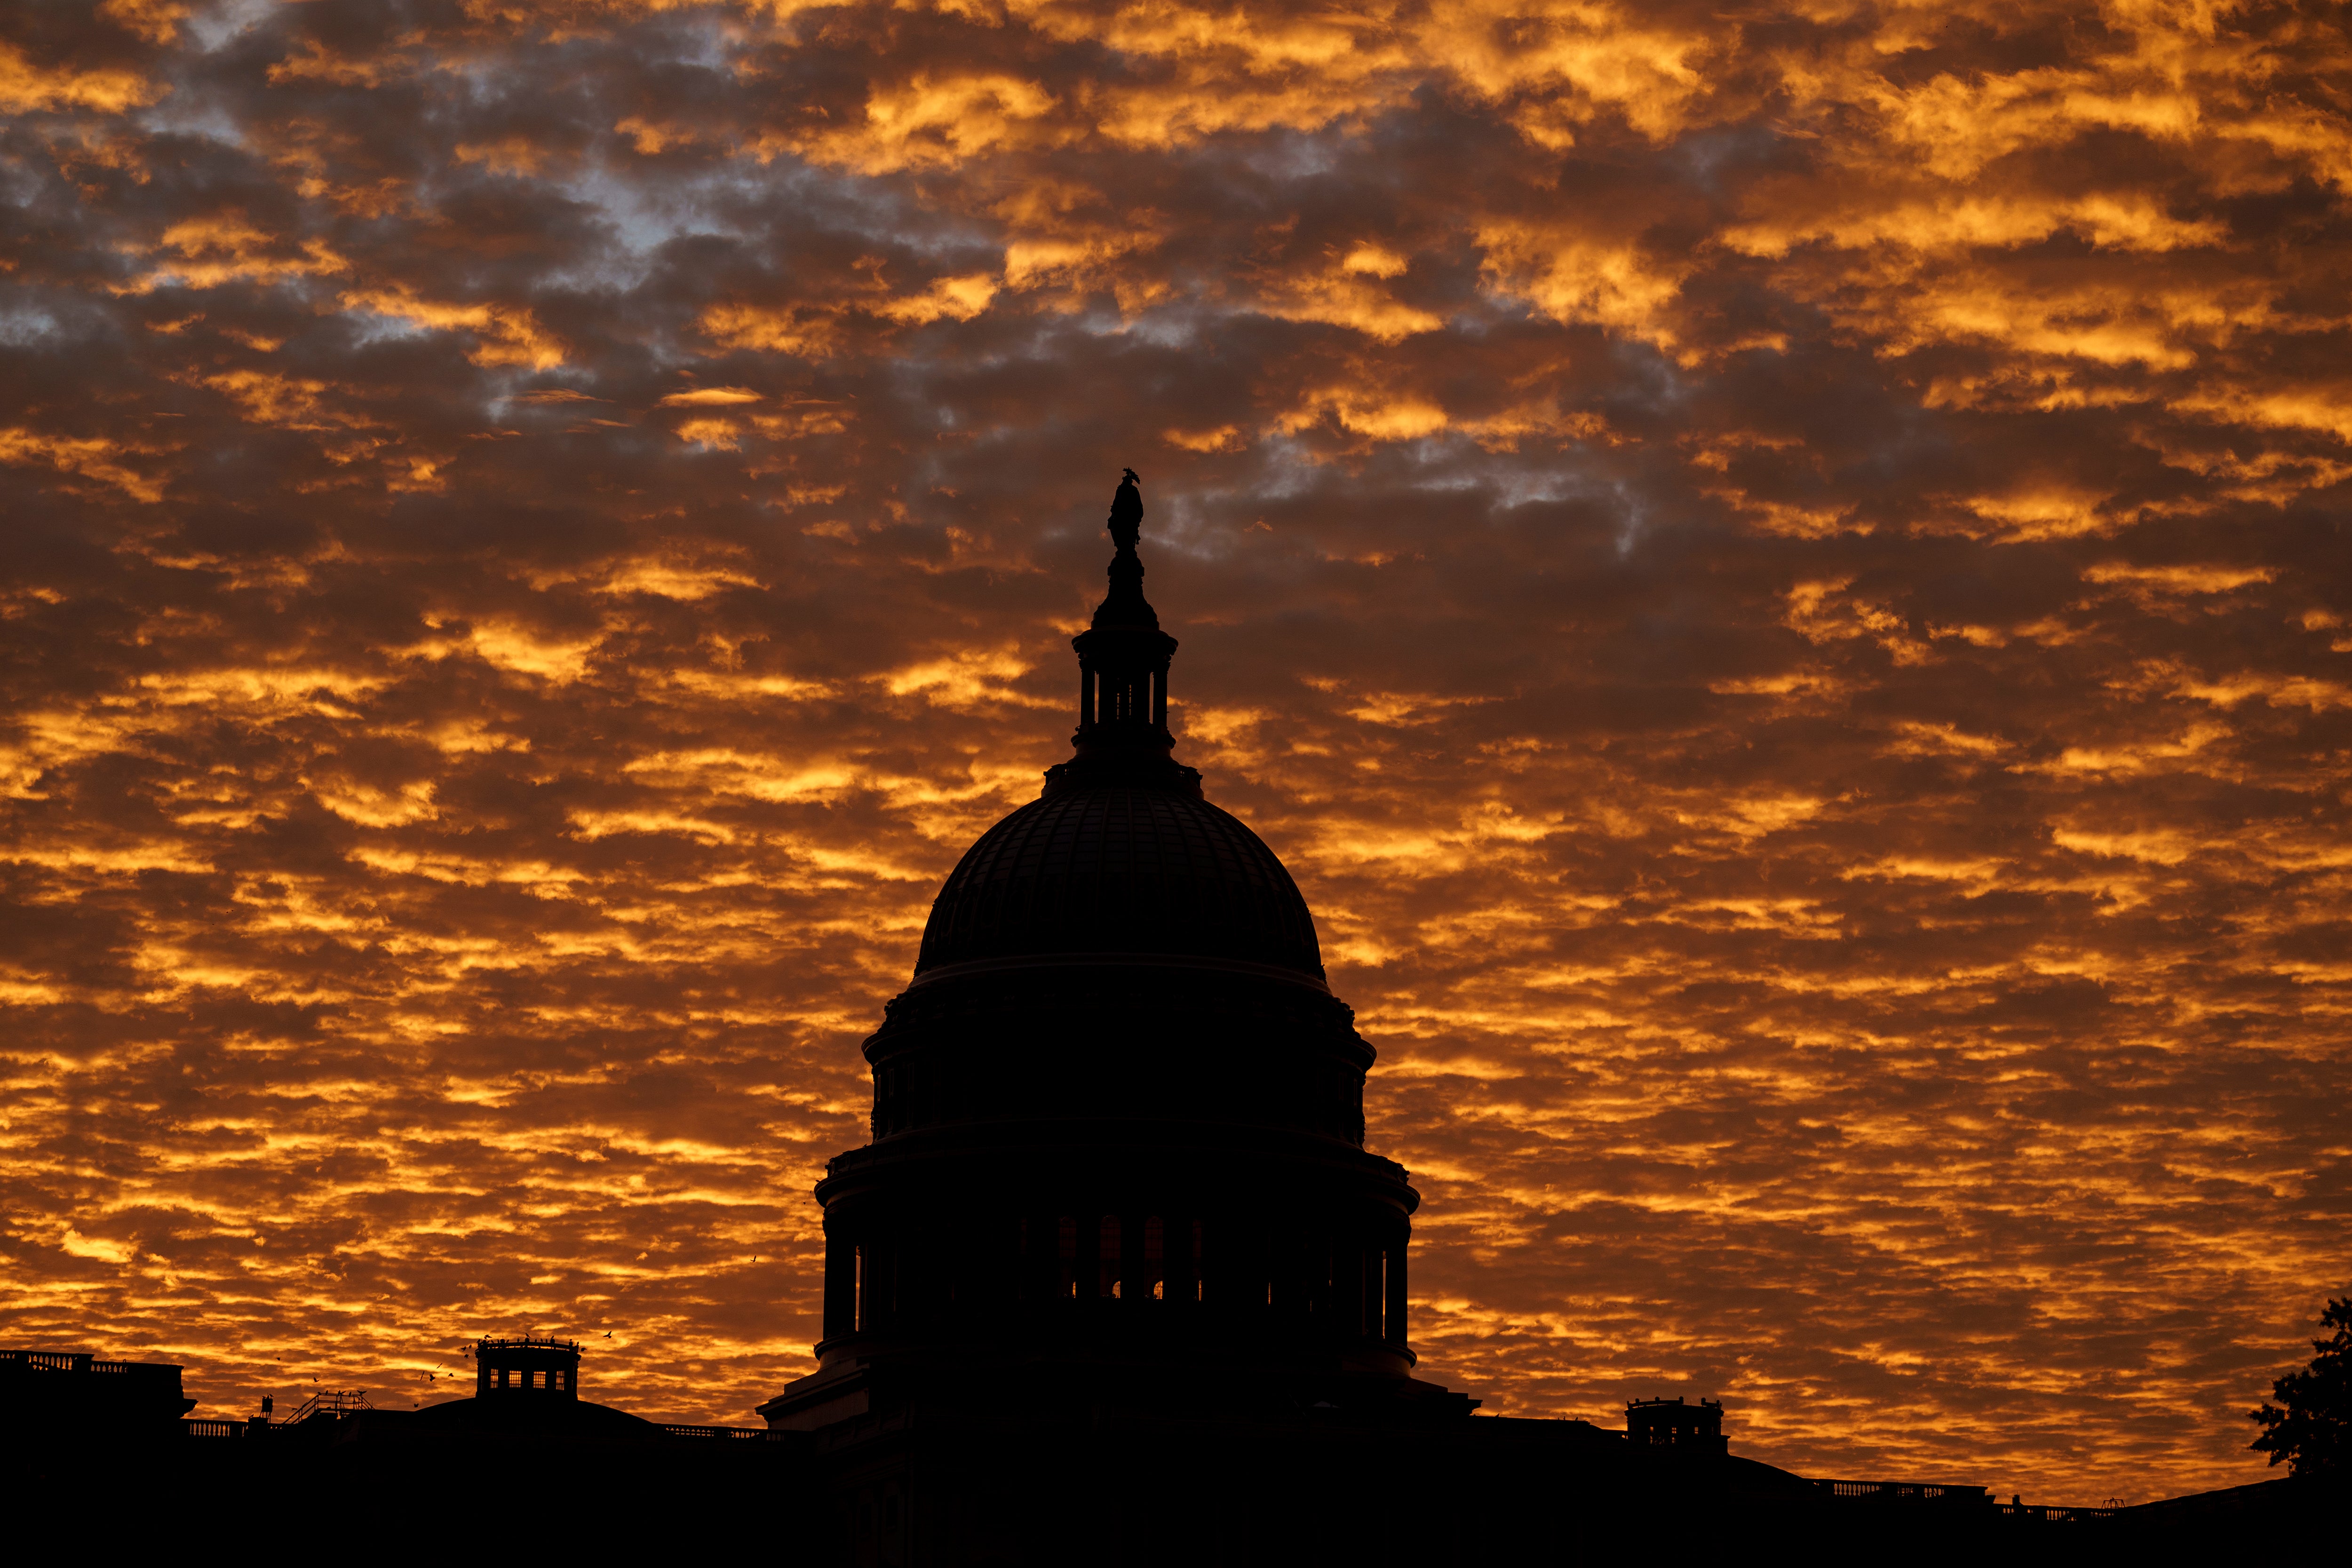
{"points": [[1117, 1128], [1120, 869]]}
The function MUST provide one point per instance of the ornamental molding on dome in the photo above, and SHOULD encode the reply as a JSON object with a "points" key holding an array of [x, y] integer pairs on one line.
{"points": [[975, 967]]}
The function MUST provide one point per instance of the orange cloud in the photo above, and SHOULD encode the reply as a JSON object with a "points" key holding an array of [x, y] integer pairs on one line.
{"points": [[504, 335], [26, 86], [92, 458]]}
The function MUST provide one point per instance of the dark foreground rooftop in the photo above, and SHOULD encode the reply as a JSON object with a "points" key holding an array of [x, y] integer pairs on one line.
{"points": [[1061, 1469]]}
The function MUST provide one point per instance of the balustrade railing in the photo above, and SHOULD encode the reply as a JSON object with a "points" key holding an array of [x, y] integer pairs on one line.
{"points": [[1905, 1491], [2053, 1513], [85, 1361], [742, 1434], [1946, 1494], [195, 1428]]}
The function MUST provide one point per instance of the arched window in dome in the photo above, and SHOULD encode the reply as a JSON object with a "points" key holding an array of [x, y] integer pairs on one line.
{"points": [[1067, 1254], [1107, 1259], [1154, 1282]]}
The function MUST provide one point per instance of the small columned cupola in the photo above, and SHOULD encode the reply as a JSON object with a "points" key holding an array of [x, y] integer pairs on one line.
{"points": [[1122, 735], [1671, 1424], [547, 1368]]}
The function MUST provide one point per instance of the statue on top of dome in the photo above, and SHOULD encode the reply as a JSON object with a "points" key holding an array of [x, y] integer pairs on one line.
{"points": [[1127, 514]]}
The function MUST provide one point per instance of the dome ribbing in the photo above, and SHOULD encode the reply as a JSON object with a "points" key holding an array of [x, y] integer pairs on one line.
{"points": [[1122, 869]]}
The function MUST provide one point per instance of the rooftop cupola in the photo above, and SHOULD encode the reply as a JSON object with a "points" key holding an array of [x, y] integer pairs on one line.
{"points": [[1122, 736], [546, 1367]]}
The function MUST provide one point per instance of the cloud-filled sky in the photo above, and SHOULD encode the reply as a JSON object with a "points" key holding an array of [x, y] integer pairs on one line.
{"points": [[1779, 574]]}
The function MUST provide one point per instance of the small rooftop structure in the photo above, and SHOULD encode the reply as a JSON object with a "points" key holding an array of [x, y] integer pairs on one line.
{"points": [[549, 1367], [1671, 1424], [79, 1388]]}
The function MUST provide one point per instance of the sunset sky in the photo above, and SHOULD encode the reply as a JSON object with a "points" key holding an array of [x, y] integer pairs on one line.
{"points": [[1779, 574]]}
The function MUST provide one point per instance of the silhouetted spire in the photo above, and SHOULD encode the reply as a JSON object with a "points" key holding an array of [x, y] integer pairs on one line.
{"points": [[1122, 736]]}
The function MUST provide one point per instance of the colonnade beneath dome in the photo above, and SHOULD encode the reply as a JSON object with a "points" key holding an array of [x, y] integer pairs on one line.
{"points": [[1148, 1273], [972, 1076]]}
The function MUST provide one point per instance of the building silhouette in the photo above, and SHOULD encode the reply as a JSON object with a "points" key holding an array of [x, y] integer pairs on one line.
{"points": [[1115, 1282], [76, 1393], [1118, 1125]]}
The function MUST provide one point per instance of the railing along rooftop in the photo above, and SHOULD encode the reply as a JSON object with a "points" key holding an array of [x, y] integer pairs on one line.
{"points": [[741, 1433], [527, 1342], [2053, 1514], [1906, 1492], [1948, 1494], [335, 1401], [86, 1361], [195, 1428]]}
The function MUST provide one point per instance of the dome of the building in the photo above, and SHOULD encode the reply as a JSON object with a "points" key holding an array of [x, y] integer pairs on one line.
{"points": [[1112, 869]]}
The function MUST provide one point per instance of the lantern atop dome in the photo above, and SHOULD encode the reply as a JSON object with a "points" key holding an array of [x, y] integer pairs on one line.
{"points": [[1122, 736]]}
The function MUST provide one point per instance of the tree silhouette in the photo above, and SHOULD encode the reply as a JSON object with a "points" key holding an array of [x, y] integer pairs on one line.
{"points": [[2314, 1433]]}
